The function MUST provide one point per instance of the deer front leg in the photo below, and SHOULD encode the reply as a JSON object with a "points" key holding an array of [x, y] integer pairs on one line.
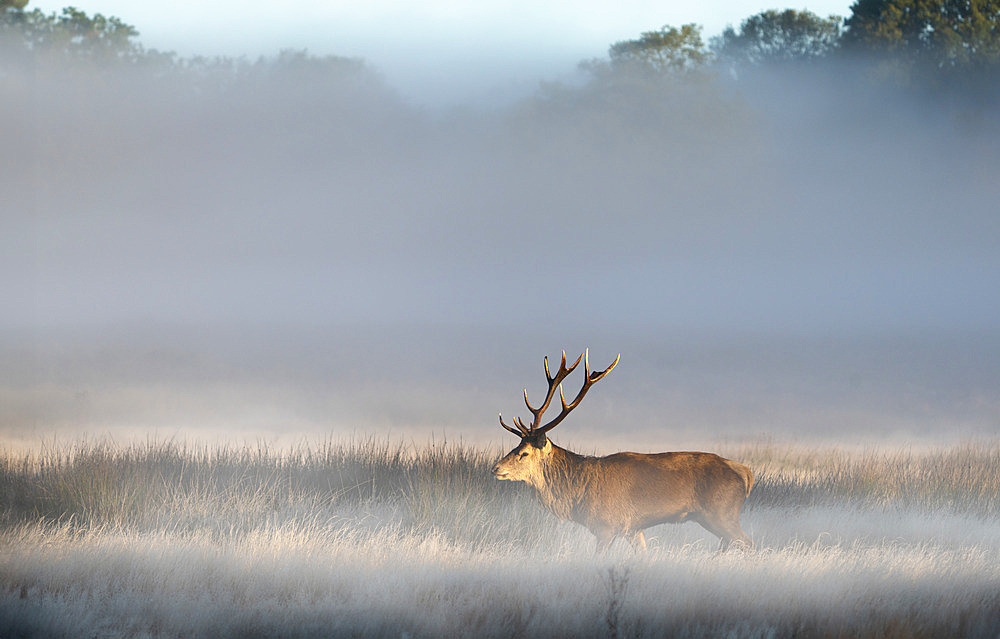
{"points": [[604, 539], [638, 541]]}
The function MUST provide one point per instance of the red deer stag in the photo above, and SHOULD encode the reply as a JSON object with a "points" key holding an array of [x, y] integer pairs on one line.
{"points": [[624, 493]]}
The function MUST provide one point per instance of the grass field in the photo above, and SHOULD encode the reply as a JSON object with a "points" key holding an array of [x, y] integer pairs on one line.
{"points": [[379, 539]]}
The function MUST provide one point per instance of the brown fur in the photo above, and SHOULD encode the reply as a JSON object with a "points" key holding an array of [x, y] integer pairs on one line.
{"points": [[625, 493]]}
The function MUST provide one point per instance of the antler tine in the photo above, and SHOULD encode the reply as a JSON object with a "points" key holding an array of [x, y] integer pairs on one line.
{"points": [[516, 432], [575, 364], [595, 376], [588, 380], [554, 382]]}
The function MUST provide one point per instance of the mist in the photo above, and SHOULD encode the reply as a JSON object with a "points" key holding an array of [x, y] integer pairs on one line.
{"points": [[288, 255]]}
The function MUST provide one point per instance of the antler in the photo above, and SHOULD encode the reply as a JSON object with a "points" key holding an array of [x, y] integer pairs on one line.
{"points": [[555, 381]]}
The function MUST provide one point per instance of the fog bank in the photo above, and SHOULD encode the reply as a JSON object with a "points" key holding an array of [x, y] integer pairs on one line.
{"points": [[782, 254]]}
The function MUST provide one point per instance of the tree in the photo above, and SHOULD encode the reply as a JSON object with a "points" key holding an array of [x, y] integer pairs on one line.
{"points": [[71, 33], [13, 4], [667, 50], [936, 33], [779, 36], [97, 38]]}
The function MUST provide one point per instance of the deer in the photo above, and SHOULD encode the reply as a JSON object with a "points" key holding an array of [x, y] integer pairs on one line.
{"points": [[620, 495]]}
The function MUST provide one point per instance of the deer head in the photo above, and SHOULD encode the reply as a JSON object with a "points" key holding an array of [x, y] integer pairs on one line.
{"points": [[525, 462]]}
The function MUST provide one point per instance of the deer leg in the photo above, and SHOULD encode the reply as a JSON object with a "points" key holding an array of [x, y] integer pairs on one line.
{"points": [[603, 543], [638, 541], [738, 537], [730, 533], [730, 524], [604, 539], [718, 529]]}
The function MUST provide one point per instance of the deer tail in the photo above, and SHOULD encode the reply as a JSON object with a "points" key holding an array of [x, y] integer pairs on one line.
{"points": [[744, 472]]}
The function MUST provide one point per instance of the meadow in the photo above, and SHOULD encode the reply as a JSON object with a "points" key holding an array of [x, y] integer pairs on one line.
{"points": [[375, 538]]}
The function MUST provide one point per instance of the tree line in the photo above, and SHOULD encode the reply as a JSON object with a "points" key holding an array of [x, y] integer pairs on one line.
{"points": [[931, 43], [71, 38]]}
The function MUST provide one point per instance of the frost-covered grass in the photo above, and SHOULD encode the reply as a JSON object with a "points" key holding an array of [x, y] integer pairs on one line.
{"points": [[374, 539]]}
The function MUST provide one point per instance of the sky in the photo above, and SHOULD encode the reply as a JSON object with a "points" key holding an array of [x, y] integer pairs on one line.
{"points": [[432, 51]]}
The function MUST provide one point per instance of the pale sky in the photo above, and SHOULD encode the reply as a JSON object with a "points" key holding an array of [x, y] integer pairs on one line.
{"points": [[433, 50]]}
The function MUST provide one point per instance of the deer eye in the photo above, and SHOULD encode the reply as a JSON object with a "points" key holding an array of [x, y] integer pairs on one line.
{"points": [[523, 455]]}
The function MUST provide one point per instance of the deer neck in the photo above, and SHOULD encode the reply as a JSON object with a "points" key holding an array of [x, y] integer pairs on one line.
{"points": [[562, 482]]}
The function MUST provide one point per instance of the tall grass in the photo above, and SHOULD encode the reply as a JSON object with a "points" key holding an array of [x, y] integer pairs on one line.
{"points": [[440, 488], [957, 479], [373, 538], [147, 485]]}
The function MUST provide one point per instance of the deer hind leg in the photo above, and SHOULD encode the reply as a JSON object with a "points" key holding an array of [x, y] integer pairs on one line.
{"points": [[728, 530], [734, 531], [740, 539]]}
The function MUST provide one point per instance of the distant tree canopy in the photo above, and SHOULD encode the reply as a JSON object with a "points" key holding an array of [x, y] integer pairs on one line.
{"points": [[914, 40], [941, 33], [779, 36], [913, 43], [670, 49], [70, 33], [71, 37]]}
